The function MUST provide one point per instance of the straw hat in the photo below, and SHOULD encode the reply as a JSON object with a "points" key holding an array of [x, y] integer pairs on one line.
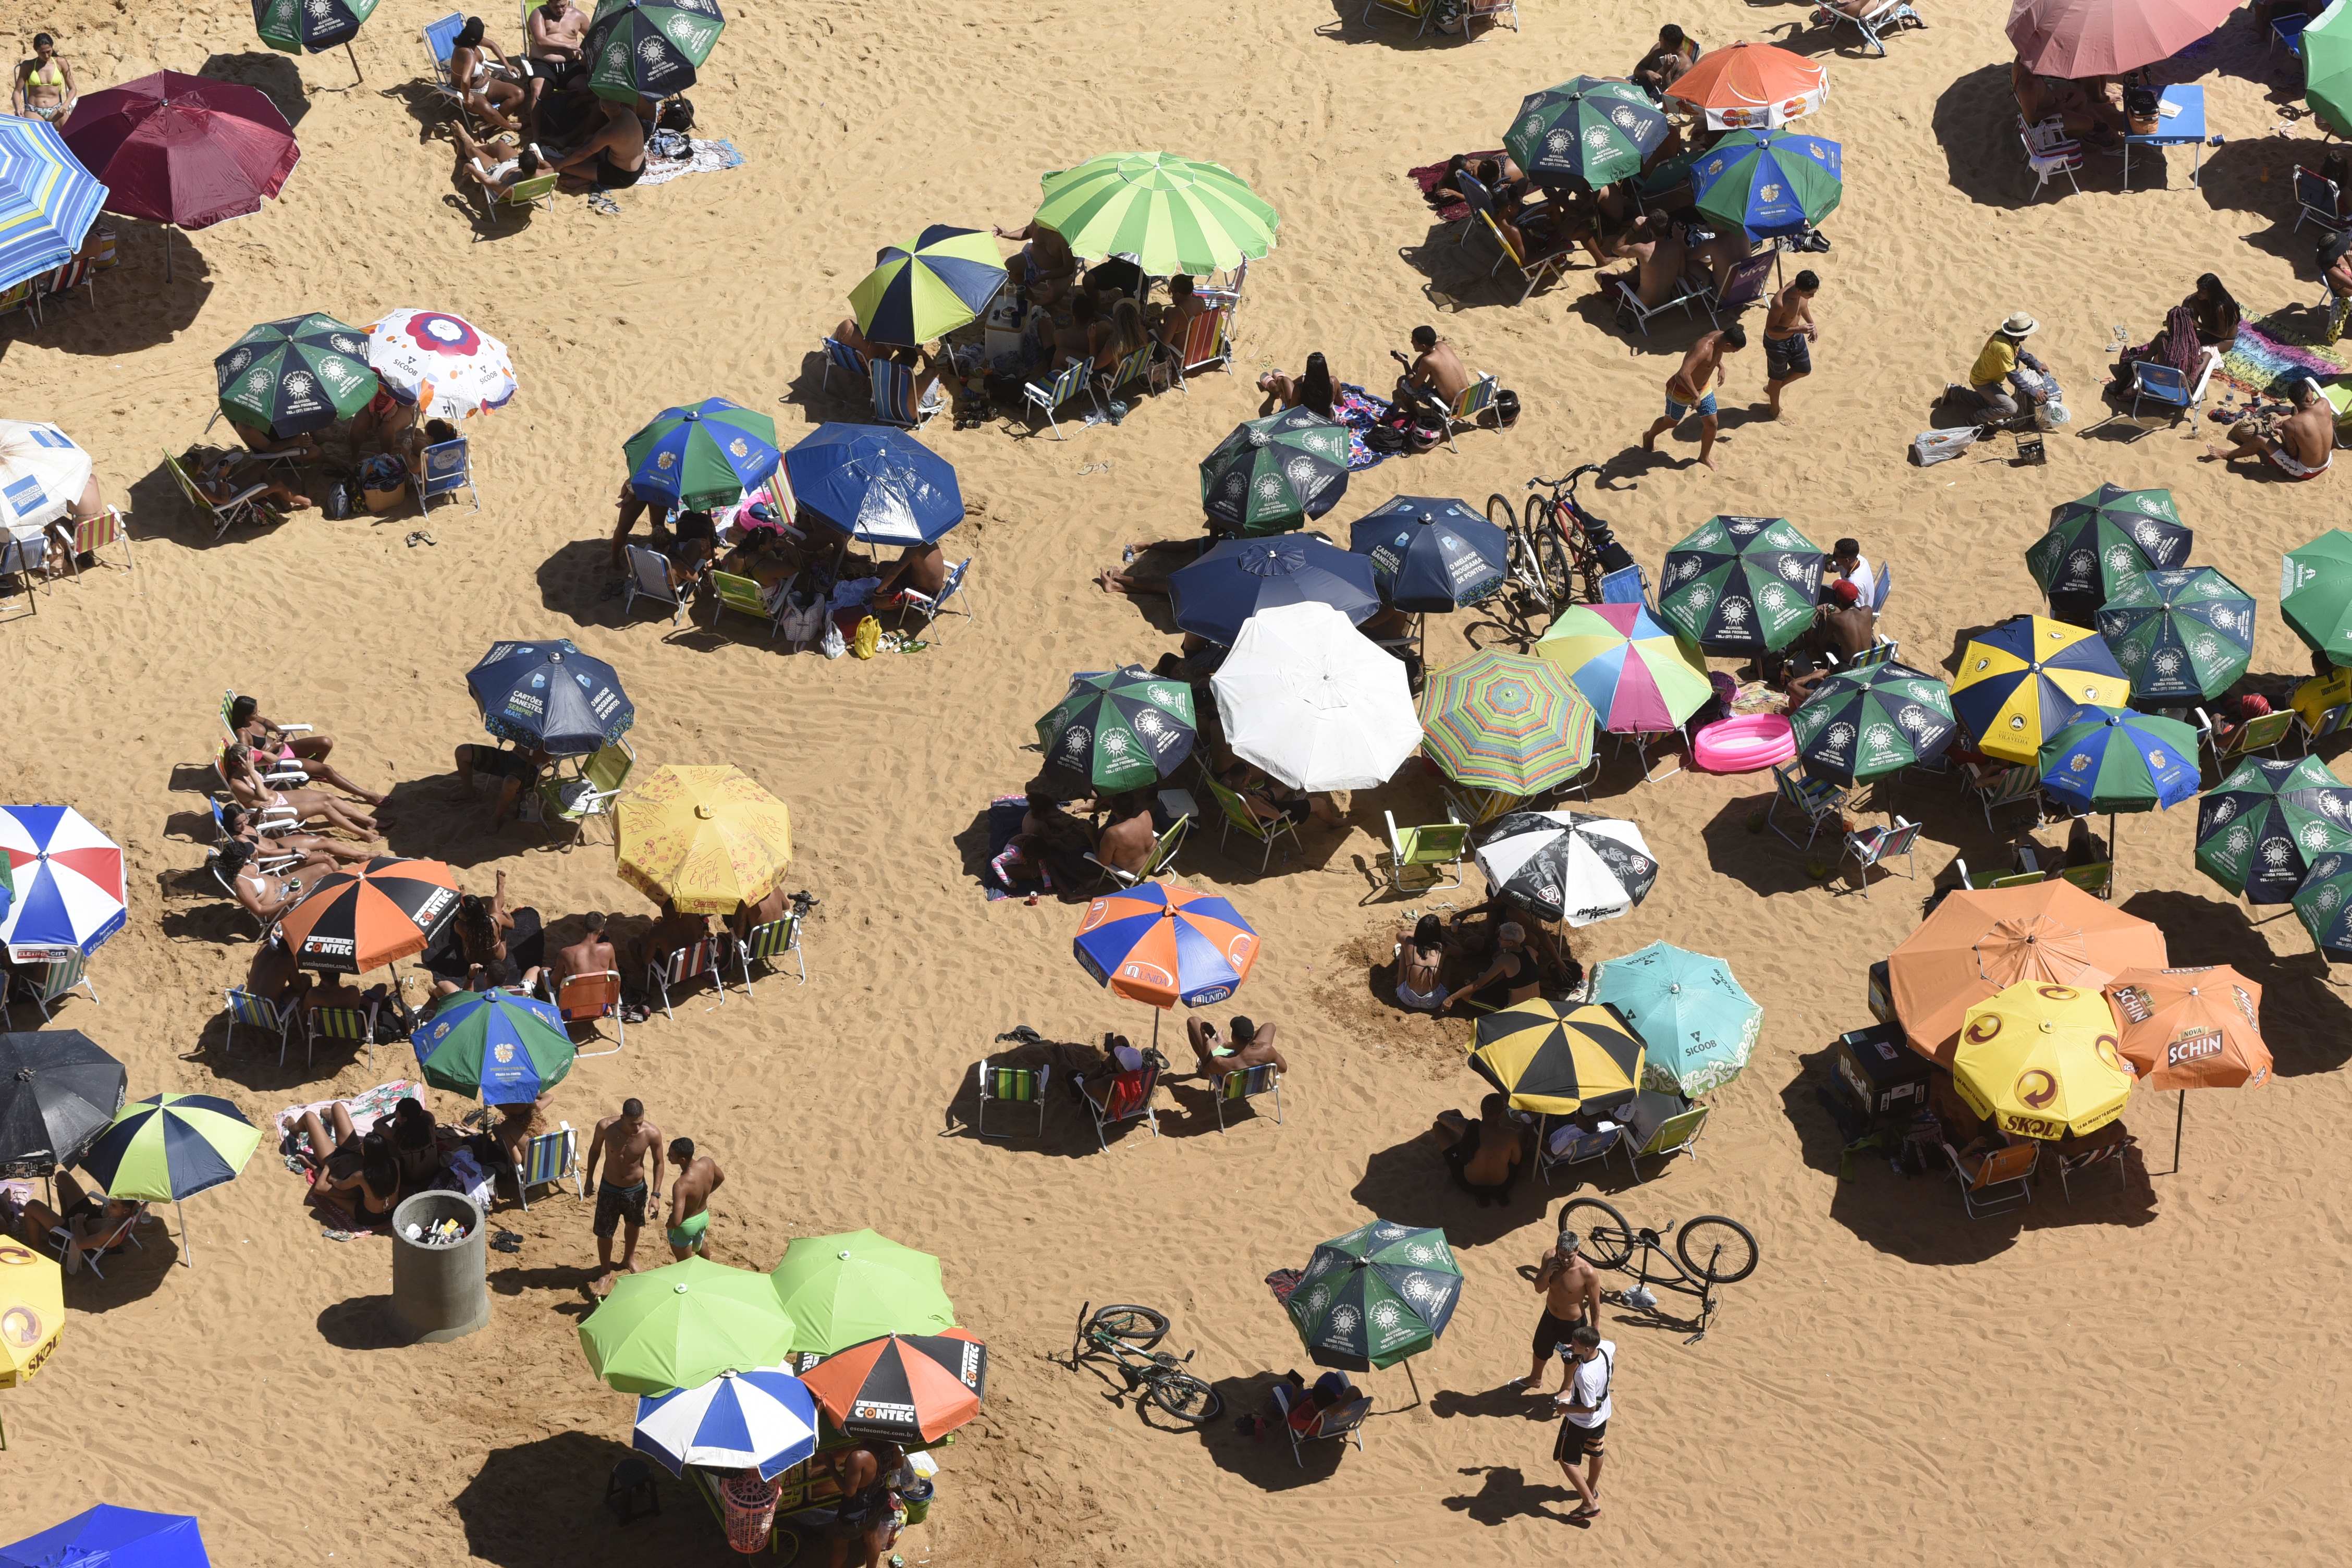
{"points": [[2020, 325]]}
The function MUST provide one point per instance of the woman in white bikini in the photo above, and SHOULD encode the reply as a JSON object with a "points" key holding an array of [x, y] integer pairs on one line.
{"points": [[247, 788]]}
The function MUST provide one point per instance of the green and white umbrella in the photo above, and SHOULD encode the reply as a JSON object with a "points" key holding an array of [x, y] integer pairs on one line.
{"points": [[845, 1290], [2259, 830], [2098, 539], [168, 1147], [2181, 634], [1697, 1027], [1587, 129], [1742, 585], [1171, 215], [295, 375], [2327, 49], [1271, 475], [649, 49], [1373, 1297], [2315, 594], [1117, 729], [1861, 724]]}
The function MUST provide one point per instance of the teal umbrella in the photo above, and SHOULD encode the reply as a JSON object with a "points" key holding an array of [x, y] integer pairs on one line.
{"points": [[2315, 594], [1373, 1297], [2259, 830], [1587, 129], [2182, 635], [1697, 1027]]}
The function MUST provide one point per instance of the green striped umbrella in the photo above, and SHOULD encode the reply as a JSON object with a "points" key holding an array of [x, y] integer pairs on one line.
{"points": [[2315, 594], [172, 1146], [841, 1290], [2259, 830], [1503, 721], [1118, 730], [1587, 129], [300, 373], [1742, 585], [925, 290], [1372, 1297], [1697, 1026], [1861, 724], [649, 49], [1273, 474], [2096, 541], [682, 1324], [1171, 215], [2327, 49], [2181, 635]]}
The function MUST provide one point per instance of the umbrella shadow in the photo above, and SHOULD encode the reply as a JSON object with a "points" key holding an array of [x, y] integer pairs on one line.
{"points": [[2256, 176], [578, 580], [2306, 1018], [1408, 1183], [536, 1505], [432, 818], [1263, 1459], [1739, 845], [1505, 1494], [1974, 122], [1455, 277], [114, 316], [1056, 1126], [275, 74]]}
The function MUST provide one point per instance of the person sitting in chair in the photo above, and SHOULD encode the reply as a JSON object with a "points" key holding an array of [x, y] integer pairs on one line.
{"points": [[273, 745], [480, 71], [247, 788], [222, 476], [93, 1223], [922, 567], [1129, 834], [1485, 1156], [1658, 253], [1664, 63], [498, 166], [1253, 1044], [515, 770], [1046, 269]]}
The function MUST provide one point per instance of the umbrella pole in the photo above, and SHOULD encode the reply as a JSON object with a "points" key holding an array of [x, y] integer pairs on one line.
{"points": [[2112, 855], [1415, 1383], [357, 75], [187, 1246], [2179, 1115], [167, 259]]}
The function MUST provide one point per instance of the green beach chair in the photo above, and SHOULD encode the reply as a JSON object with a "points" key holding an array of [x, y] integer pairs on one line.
{"points": [[1009, 1085], [354, 1024], [1238, 815], [571, 801], [767, 944], [1163, 855], [45, 982], [1439, 845], [744, 596]]}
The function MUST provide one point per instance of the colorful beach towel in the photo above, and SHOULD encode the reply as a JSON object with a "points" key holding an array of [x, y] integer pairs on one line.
{"points": [[1433, 175], [707, 157], [1358, 410], [2284, 346], [366, 1109]]}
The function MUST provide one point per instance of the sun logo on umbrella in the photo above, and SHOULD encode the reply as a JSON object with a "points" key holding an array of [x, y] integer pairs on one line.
{"points": [[1269, 488], [1075, 742], [300, 384], [665, 461], [1911, 717], [2130, 654], [2312, 837], [2168, 662], [257, 382], [2277, 852], [502, 1054], [1597, 138], [650, 51], [1558, 142], [2224, 809], [1736, 613], [1793, 568], [1768, 194], [1840, 736], [2157, 758], [2327, 898]]}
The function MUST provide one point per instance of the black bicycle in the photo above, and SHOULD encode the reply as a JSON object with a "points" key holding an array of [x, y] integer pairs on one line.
{"points": [[1555, 543], [1123, 1335], [1708, 1251]]}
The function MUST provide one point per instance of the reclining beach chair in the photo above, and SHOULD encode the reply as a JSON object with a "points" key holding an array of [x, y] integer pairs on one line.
{"points": [[1871, 847], [2328, 723], [1476, 402], [1225, 296], [565, 802], [551, 1159], [1163, 855], [1568, 1144], [743, 596], [1341, 1420], [1237, 815], [1237, 1086], [1995, 1183], [82, 273], [1874, 22], [2016, 785], [1677, 1134], [1120, 1097], [1049, 396], [1419, 11], [1208, 344], [1436, 850], [2049, 151], [894, 395], [767, 944], [354, 1024], [447, 470], [840, 359], [1744, 288], [42, 984], [914, 601], [523, 196], [1134, 367], [2165, 386], [2075, 1165], [244, 1007], [649, 579], [1818, 801], [681, 967], [243, 507], [2317, 200], [1009, 1085], [1531, 273], [589, 998]]}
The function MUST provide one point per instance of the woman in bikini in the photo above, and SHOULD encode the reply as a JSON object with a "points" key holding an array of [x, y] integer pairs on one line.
{"points": [[1419, 963], [247, 789], [267, 895], [271, 743], [481, 71], [45, 84]]}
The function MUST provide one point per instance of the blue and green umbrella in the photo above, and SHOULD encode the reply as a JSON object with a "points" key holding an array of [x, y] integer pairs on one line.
{"points": [[508, 1048], [1697, 1027], [1861, 724], [1742, 585], [1271, 475], [295, 375], [2112, 759], [648, 49], [2324, 905], [1373, 1297], [2096, 541], [1588, 131], [168, 1147], [48, 200], [925, 290], [2182, 634], [1769, 181], [701, 456], [2259, 830]]}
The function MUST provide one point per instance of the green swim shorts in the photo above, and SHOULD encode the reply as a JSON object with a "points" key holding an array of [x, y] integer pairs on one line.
{"points": [[690, 1234]]}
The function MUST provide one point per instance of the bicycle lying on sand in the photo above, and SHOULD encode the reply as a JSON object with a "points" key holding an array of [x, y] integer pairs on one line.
{"points": [[1709, 1250], [1124, 1335]]}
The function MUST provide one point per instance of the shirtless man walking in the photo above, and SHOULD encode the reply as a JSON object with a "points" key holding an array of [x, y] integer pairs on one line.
{"points": [[627, 1145], [1788, 335], [1688, 389], [698, 1176], [1571, 1291]]}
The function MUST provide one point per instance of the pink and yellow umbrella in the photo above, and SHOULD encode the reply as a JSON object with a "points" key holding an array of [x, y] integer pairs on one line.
{"points": [[1640, 678]]}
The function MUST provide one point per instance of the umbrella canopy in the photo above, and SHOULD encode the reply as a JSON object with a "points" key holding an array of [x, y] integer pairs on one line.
{"points": [[549, 697], [1587, 131], [701, 456], [110, 1537], [1238, 578], [683, 1324], [1430, 555], [923, 291], [2096, 541], [2179, 635], [1697, 1027], [508, 1048], [294, 25], [2315, 594], [648, 49], [48, 200], [167, 1147], [1863, 724], [298, 374], [1980, 941], [58, 1093], [1769, 181], [2191, 1028], [1742, 585], [2025, 679], [1552, 1061], [702, 839], [2113, 758], [1164, 944], [1566, 864], [2040, 1060], [2077, 38], [67, 878], [184, 149], [903, 1388], [2327, 49], [388, 909], [1505, 722], [2259, 830], [876, 484], [32, 1310], [1171, 215], [42, 471], [2323, 904], [1271, 475], [1372, 1297], [1118, 730], [1741, 85], [1640, 678], [1306, 697], [763, 1420], [443, 365], [845, 1288]]}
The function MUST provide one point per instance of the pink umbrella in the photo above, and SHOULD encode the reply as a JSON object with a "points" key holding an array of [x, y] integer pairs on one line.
{"points": [[2105, 37], [185, 151]]}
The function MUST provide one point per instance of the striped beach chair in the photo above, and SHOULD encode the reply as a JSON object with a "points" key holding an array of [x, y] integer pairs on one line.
{"points": [[1245, 1084], [681, 967], [253, 1013], [551, 1159], [1010, 1086], [767, 944], [92, 534], [42, 984], [894, 396], [840, 359], [355, 1025]]}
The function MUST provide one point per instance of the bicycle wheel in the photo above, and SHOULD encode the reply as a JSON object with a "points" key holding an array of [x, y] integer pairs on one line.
{"points": [[1608, 1240], [1526, 574], [1718, 1250], [1187, 1398], [1139, 1326], [1550, 551]]}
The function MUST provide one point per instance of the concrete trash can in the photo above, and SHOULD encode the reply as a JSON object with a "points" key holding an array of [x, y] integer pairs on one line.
{"points": [[439, 1292]]}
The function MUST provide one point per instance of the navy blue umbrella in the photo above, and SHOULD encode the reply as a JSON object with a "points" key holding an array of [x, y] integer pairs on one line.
{"points": [[876, 484], [549, 697], [1239, 577], [110, 1537], [1431, 555]]}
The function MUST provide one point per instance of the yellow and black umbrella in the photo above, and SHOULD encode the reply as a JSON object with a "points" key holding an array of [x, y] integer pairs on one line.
{"points": [[1552, 1062]]}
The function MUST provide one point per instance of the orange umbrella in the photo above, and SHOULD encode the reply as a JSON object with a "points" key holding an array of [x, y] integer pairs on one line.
{"points": [[1981, 940], [907, 1388], [2190, 1028], [386, 910], [1743, 85]]}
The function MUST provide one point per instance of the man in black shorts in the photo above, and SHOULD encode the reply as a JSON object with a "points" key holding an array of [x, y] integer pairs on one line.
{"points": [[515, 771], [1789, 334], [1571, 1291], [627, 1144], [1585, 1416]]}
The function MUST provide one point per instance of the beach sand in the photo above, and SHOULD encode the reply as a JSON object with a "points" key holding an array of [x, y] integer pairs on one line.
{"points": [[2147, 1376]]}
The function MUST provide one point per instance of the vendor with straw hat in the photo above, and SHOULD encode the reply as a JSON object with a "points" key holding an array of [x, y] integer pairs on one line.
{"points": [[1993, 380]]}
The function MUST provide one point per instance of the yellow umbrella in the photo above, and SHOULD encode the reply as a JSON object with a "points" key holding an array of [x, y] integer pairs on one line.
{"points": [[1553, 1061], [32, 1310], [2042, 1060], [2023, 681], [704, 839]]}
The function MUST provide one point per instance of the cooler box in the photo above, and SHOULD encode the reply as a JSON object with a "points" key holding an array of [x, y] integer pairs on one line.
{"points": [[1881, 1073], [1882, 997]]}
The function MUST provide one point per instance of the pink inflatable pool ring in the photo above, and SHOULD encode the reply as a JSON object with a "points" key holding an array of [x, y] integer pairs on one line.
{"points": [[1743, 743]]}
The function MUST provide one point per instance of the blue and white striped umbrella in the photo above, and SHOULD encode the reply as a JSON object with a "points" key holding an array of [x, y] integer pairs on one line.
{"points": [[763, 1420], [69, 882], [42, 474], [48, 200]]}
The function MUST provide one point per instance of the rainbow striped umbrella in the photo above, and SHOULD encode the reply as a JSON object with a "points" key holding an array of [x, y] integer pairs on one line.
{"points": [[1639, 676], [48, 200], [1162, 943], [1505, 722]]}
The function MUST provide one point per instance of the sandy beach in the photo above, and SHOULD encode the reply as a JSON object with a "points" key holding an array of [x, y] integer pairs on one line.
{"points": [[2144, 1375]]}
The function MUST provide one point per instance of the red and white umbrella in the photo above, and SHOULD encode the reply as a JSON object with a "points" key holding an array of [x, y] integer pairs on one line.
{"points": [[2073, 38], [445, 365], [64, 888]]}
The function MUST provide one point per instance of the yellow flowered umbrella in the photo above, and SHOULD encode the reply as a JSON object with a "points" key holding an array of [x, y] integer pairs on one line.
{"points": [[705, 839], [2042, 1060], [32, 1310]]}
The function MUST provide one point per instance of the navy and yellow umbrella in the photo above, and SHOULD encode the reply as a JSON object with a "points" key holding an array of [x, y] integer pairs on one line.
{"points": [[168, 1147], [925, 290], [2025, 679]]}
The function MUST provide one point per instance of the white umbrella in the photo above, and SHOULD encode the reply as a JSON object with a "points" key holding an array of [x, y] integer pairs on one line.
{"points": [[764, 1419], [1307, 698], [42, 474], [445, 365], [1567, 866]]}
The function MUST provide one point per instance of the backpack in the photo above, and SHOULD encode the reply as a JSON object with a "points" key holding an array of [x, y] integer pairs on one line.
{"points": [[338, 504], [867, 639], [1506, 408]]}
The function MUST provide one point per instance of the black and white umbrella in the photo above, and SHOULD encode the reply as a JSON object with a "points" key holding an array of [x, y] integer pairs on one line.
{"points": [[1565, 865]]}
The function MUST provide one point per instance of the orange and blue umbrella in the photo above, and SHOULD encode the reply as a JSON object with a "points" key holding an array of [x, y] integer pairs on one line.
{"points": [[1162, 944], [1640, 678], [2028, 677]]}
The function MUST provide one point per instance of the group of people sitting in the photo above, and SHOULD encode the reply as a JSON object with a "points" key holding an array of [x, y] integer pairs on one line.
{"points": [[83, 1223], [1509, 957], [540, 113]]}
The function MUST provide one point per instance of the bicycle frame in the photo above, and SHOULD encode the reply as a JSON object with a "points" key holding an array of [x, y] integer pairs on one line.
{"points": [[1646, 1241]]}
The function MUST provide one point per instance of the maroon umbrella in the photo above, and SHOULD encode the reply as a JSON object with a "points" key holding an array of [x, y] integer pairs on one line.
{"points": [[183, 150]]}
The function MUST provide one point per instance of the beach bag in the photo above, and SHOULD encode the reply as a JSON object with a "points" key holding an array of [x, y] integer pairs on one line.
{"points": [[676, 114], [1448, 16], [833, 645], [338, 504], [1932, 446], [1506, 408], [866, 641]]}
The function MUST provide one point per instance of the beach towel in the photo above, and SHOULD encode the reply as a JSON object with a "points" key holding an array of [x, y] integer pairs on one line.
{"points": [[704, 158], [1358, 410], [2280, 347], [1004, 815], [366, 1109], [1433, 175]]}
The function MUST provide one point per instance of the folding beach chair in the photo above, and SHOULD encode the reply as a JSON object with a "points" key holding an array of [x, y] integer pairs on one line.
{"points": [[92, 534], [1009, 1085], [1972, 882], [840, 359], [1225, 296], [1477, 198], [2048, 153], [1240, 1085], [254, 1012], [767, 944], [549, 1160], [2098, 879], [1570, 1144], [2329, 723], [744, 596], [894, 395], [2072, 1165], [1875, 22], [681, 967], [276, 773], [523, 196], [914, 601], [570, 801], [2015, 784], [1870, 847], [42, 984], [1491, 12], [1049, 396], [1818, 801], [1626, 585], [2265, 732], [649, 579], [1417, 11], [1137, 366], [1121, 1097], [1882, 585], [1339, 1421], [1677, 1134], [2317, 200], [26, 297], [108, 1242], [1207, 345], [355, 1025], [1744, 288], [2165, 386], [243, 507], [1163, 855], [1997, 1182], [1436, 850], [440, 39], [589, 998], [1476, 402], [2286, 32], [82, 273], [1238, 815], [1531, 273], [447, 470]]}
